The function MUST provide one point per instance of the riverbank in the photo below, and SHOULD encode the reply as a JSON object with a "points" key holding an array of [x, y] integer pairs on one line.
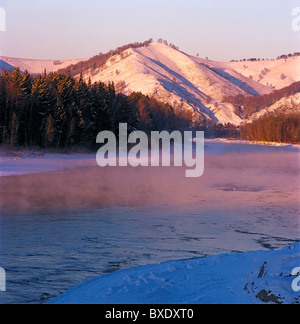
{"points": [[18, 161], [238, 278]]}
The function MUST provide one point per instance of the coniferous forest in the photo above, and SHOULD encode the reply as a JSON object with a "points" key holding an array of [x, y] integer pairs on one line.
{"points": [[57, 111], [280, 128]]}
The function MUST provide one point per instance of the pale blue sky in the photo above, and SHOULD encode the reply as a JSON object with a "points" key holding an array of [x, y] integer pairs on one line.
{"points": [[219, 29]]}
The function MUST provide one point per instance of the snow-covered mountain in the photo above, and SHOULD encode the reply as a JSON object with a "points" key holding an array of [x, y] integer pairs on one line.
{"points": [[194, 83], [182, 80]]}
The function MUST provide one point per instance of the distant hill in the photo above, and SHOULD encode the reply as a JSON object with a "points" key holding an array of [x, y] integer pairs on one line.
{"points": [[5, 66], [36, 66], [191, 82]]}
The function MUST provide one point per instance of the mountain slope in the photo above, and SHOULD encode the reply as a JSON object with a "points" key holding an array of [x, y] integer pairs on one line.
{"points": [[5, 66], [37, 66], [175, 78], [275, 74], [189, 82], [284, 105]]}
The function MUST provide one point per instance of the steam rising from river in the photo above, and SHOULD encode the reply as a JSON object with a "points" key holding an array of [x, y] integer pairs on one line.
{"points": [[232, 179]]}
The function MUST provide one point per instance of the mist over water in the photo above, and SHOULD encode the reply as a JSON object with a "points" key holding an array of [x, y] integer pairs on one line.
{"points": [[61, 228], [259, 170]]}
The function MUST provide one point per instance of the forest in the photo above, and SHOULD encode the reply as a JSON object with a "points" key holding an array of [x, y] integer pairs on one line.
{"points": [[57, 111], [280, 128]]}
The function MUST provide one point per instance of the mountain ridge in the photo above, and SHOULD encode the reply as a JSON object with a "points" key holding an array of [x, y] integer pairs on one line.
{"points": [[181, 80]]}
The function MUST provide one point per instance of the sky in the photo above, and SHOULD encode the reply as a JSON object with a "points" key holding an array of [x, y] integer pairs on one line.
{"points": [[218, 29]]}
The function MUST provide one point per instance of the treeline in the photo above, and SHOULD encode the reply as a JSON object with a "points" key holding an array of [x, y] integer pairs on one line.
{"points": [[252, 104], [282, 128], [284, 56], [58, 111], [165, 42], [99, 60]]}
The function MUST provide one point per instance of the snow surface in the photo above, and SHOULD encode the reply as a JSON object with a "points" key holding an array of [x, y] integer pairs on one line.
{"points": [[38, 66], [268, 72], [244, 278], [33, 162]]}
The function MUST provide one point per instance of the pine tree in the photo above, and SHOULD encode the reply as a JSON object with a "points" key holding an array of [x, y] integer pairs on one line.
{"points": [[64, 109], [26, 84], [17, 76], [14, 129], [49, 131]]}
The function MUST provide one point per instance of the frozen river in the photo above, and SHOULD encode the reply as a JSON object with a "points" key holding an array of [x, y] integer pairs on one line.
{"points": [[61, 228]]}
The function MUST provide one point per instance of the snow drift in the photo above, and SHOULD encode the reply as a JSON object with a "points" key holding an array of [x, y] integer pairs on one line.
{"points": [[246, 278]]}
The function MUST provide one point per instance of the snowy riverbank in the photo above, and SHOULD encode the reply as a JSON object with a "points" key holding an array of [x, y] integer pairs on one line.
{"points": [[33, 162], [237, 141], [247, 278], [18, 162]]}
